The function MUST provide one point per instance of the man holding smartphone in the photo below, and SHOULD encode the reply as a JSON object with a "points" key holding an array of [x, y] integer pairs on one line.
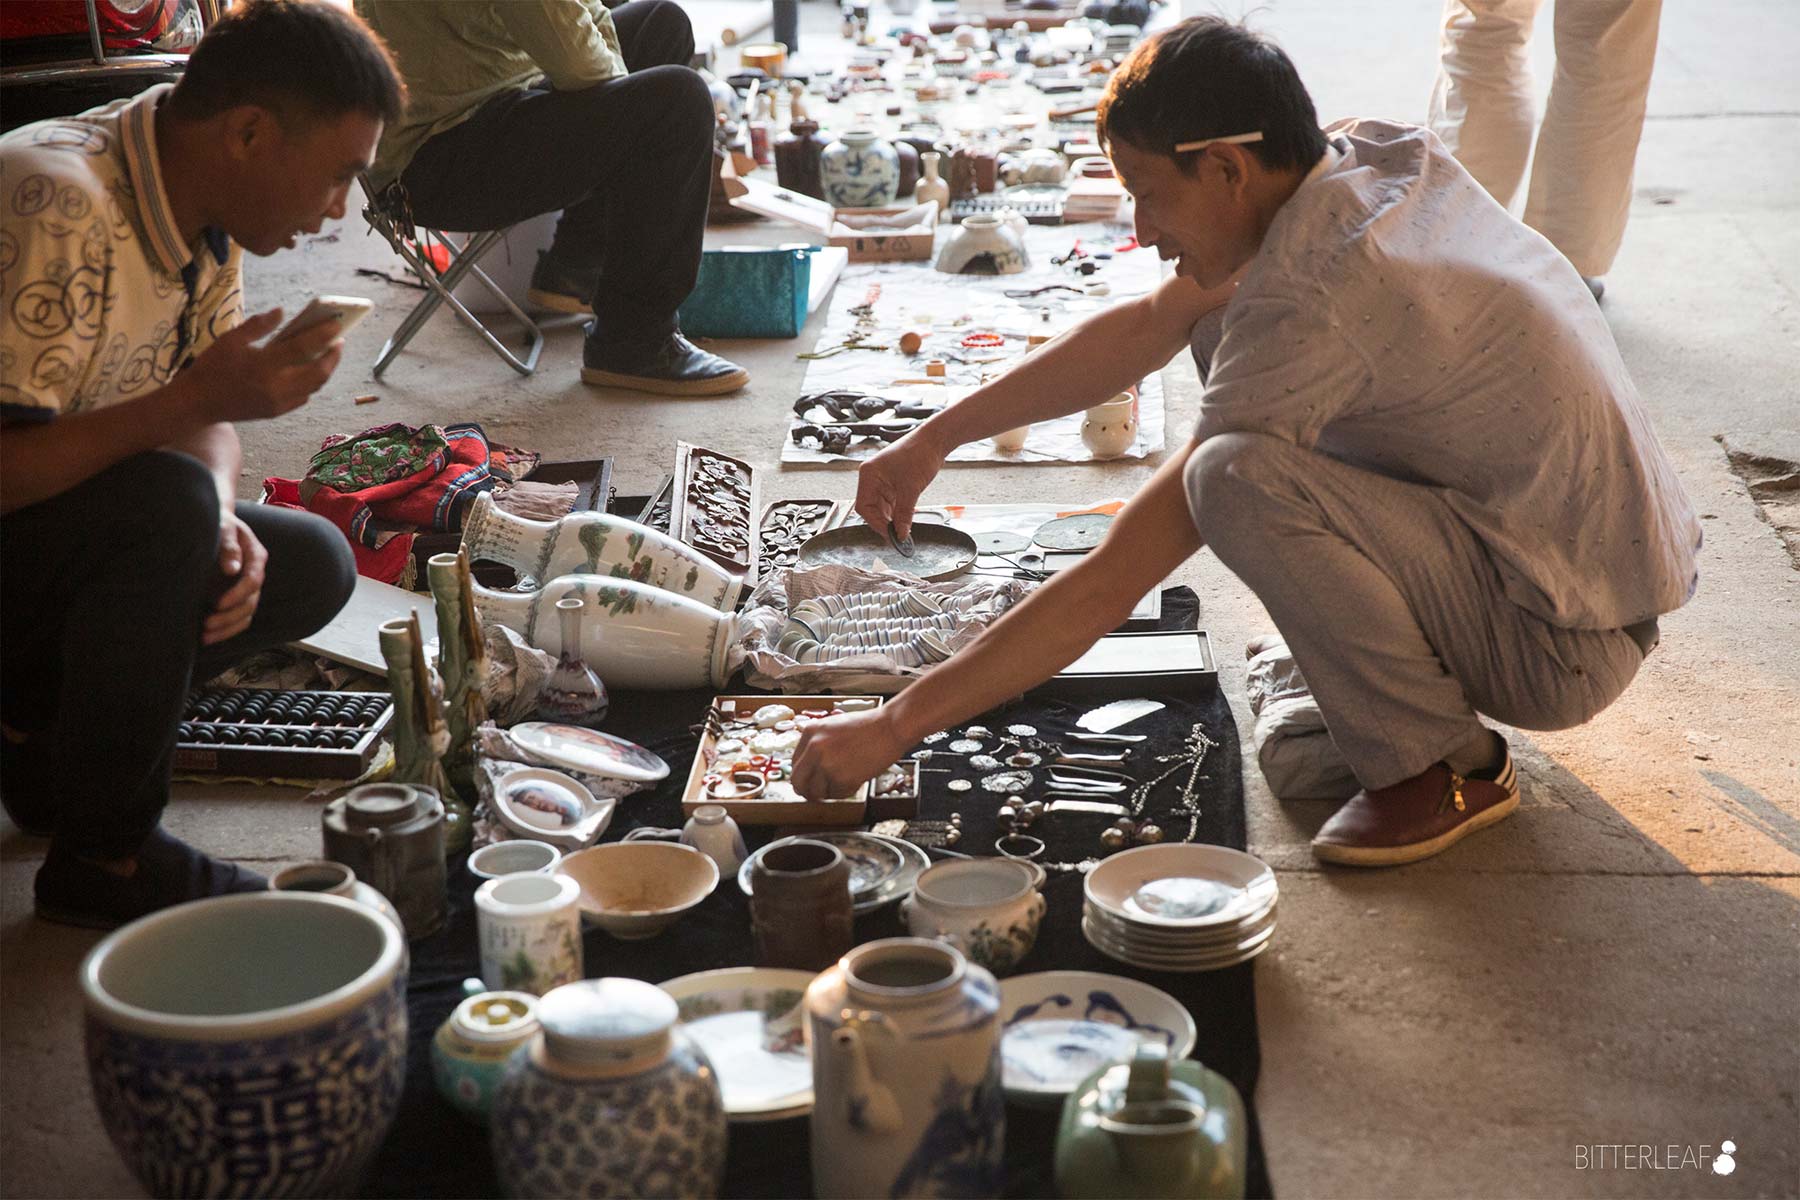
{"points": [[130, 571]]}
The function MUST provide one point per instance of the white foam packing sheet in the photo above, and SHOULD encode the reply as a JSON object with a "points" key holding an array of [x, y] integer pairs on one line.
{"points": [[946, 308]]}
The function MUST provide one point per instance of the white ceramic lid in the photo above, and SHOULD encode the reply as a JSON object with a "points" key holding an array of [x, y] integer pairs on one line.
{"points": [[606, 1022]]}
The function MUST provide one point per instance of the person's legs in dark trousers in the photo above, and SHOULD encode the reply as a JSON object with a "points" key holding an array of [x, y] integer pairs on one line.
{"points": [[103, 594], [629, 163]]}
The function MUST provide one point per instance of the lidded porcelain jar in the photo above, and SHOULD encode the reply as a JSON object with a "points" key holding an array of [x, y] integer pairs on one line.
{"points": [[713, 833], [471, 1047], [905, 1039], [859, 170], [391, 836], [609, 1099]]}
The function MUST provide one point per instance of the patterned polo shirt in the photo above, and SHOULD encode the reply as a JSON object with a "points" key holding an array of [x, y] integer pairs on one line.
{"points": [[100, 299]]}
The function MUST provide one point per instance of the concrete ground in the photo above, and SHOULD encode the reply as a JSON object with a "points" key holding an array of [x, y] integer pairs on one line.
{"points": [[1618, 965]]}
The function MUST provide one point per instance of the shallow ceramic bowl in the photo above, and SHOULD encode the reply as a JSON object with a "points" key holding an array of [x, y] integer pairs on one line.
{"points": [[1179, 885], [636, 890], [1058, 1026], [265, 1031], [523, 856]]}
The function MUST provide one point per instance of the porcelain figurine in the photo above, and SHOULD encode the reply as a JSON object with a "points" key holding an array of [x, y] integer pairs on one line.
{"points": [[610, 1098], [471, 1048], [985, 245], [932, 189], [462, 665], [421, 739], [391, 836], [592, 543], [989, 909], [574, 694], [1110, 429], [859, 170], [634, 635], [1152, 1128], [907, 1098], [249, 1045]]}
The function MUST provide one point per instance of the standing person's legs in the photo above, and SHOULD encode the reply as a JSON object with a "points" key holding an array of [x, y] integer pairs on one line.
{"points": [[1580, 196], [1482, 104], [1395, 615]]}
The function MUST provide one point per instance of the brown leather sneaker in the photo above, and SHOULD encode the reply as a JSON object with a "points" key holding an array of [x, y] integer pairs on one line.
{"points": [[1417, 818]]}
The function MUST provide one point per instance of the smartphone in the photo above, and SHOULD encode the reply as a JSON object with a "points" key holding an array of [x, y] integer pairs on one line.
{"points": [[345, 310]]}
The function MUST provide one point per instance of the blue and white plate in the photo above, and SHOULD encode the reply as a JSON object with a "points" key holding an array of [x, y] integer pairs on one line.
{"points": [[1057, 1027]]}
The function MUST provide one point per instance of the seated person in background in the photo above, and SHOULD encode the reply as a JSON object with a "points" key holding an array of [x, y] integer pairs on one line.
{"points": [[129, 569], [1417, 444], [523, 107]]}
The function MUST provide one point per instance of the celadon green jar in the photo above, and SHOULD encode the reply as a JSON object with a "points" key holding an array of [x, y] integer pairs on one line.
{"points": [[1152, 1128]]}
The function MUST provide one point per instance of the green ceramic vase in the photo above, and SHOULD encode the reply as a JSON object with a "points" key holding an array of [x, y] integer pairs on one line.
{"points": [[1151, 1128]]}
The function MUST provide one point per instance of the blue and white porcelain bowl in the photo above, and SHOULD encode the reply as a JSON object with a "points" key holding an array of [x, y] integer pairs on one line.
{"points": [[1057, 1027], [248, 1045]]}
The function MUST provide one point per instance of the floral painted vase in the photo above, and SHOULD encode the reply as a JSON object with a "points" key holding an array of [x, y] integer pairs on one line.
{"points": [[594, 543], [573, 694], [633, 635], [609, 1099], [859, 170], [907, 1097]]}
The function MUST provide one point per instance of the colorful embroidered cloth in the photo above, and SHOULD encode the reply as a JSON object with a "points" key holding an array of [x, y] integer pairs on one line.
{"points": [[384, 484]]}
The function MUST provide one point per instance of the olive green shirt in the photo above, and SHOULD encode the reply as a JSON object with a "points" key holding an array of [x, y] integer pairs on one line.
{"points": [[455, 55]]}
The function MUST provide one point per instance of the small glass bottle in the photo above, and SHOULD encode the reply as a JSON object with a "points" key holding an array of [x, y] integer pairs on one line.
{"points": [[574, 694]]}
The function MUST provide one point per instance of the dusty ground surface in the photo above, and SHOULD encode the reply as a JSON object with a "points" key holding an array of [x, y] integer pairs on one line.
{"points": [[1618, 964]]}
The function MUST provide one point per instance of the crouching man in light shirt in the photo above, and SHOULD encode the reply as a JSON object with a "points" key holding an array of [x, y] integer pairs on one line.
{"points": [[1417, 444]]}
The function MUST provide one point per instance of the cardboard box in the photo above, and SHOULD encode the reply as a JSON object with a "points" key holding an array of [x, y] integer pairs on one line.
{"points": [[868, 234]]}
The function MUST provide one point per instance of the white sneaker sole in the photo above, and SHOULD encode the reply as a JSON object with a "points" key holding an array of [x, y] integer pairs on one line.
{"points": [[716, 386], [1395, 856]]}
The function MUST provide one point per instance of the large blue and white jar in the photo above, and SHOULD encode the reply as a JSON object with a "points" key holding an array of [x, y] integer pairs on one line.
{"points": [[907, 1099], [609, 1099], [859, 170]]}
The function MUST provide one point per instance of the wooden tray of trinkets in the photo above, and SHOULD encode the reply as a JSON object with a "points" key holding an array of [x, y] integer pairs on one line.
{"points": [[744, 737], [272, 733]]}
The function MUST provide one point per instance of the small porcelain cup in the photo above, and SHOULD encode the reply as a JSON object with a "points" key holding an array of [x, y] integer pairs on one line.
{"points": [[530, 930], [989, 909], [1110, 429], [1012, 441], [520, 857]]}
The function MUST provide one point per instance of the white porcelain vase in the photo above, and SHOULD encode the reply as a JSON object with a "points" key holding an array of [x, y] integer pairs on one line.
{"points": [[1110, 429], [907, 1100], [932, 189], [592, 543], [634, 635]]}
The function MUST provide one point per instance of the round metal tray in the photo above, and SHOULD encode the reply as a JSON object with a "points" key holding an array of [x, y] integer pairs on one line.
{"points": [[940, 552]]}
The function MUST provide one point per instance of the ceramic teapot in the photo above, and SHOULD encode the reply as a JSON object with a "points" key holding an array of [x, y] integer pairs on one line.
{"points": [[1152, 1128], [907, 1100]]}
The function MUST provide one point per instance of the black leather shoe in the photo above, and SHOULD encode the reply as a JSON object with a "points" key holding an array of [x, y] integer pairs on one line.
{"points": [[72, 891], [562, 288], [672, 366]]}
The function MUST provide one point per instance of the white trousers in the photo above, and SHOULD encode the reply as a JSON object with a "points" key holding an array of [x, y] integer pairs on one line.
{"points": [[1482, 108]]}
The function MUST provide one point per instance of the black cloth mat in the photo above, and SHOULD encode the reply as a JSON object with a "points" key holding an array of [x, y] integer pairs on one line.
{"points": [[432, 1151]]}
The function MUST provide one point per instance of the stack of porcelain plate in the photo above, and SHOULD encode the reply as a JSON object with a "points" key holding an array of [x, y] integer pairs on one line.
{"points": [[1180, 907]]}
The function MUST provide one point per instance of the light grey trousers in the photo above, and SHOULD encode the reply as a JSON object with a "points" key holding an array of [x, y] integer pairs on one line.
{"points": [[1392, 607]]}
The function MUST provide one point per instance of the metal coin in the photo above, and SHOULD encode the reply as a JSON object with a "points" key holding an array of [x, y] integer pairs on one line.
{"points": [[1007, 783], [966, 746], [959, 785]]}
